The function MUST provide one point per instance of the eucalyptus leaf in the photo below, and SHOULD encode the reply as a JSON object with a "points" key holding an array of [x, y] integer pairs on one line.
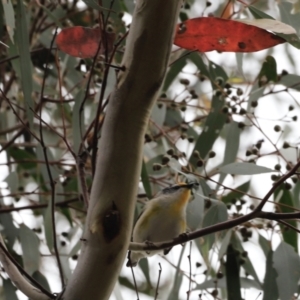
{"points": [[286, 262], [290, 81], [215, 214], [22, 42], [39, 277], [284, 197], [232, 145], [48, 227], [233, 283], [9, 18], [244, 169], [224, 243], [246, 283], [211, 129], [195, 211], [175, 69], [9, 290], [270, 287], [30, 247]]}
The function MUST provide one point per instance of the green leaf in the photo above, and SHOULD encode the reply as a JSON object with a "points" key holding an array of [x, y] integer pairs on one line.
{"points": [[286, 262], [221, 283], [217, 72], [290, 81], [144, 265], [232, 275], [207, 191], [240, 168], [145, 180], [270, 286], [158, 115], [30, 247], [289, 18], [9, 18], [65, 266], [255, 94], [268, 71], [264, 244], [196, 58], [290, 236], [10, 231], [243, 188], [12, 180], [195, 210], [174, 70], [224, 244], [173, 117], [232, 145], [76, 248], [128, 5], [9, 290], [247, 264], [258, 14], [286, 15], [48, 227], [67, 213], [211, 129], [22, 155], [174, 293], [93, 4], [52, 15], [22, 41], [232, 142], [39, 277], [292, 39], [215, 214]]}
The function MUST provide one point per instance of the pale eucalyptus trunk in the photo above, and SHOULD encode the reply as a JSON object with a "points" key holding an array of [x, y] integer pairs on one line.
{"points": [[110, 214]]}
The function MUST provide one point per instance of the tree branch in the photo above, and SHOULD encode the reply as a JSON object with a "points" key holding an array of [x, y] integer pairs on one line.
{"points": [[14, 270], [119, 158], [256, 213]]}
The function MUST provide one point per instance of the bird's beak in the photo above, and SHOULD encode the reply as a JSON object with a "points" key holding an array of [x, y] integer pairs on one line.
{"points": [[192, 186]]}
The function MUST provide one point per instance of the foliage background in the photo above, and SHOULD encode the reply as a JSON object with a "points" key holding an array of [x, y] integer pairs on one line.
{"points": [[215, 109]]}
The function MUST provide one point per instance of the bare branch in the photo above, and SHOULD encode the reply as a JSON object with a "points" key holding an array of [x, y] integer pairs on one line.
{"points": [[256, 213], [13, 271]]}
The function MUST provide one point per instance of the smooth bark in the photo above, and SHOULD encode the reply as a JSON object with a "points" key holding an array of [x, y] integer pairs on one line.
{"points": [[110, 214]]}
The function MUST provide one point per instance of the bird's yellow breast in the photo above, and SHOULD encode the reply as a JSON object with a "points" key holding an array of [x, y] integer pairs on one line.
{"points": [[178, 206]]}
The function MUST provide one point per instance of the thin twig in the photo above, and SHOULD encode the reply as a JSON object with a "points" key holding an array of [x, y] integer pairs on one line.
{"points": [[158, 280], [52, 182], [36, 206], [134, 282], [100, 106], [289, 225], [188, 293]]}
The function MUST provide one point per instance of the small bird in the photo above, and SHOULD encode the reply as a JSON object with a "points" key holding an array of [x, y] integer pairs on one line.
{"points": [[162, 219]]}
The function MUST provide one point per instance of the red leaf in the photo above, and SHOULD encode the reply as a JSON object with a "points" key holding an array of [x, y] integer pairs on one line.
{"points": [[208, 34], [82, 41]]}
